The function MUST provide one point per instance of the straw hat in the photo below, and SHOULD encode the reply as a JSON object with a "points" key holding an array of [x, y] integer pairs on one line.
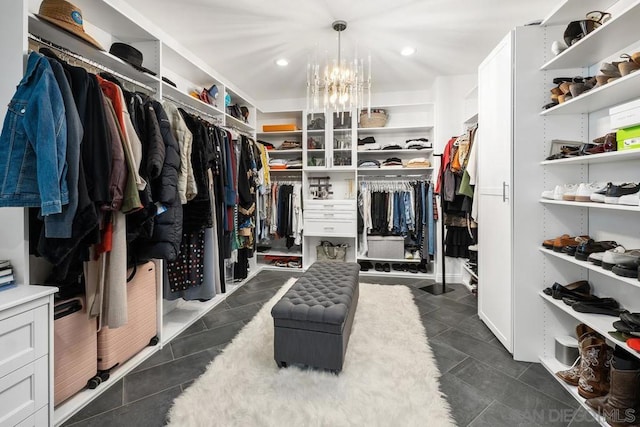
{"points": [[66, 16]]}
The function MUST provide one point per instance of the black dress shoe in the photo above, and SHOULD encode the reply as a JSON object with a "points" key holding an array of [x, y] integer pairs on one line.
{"points": [[627, 269], [625, 328], [606, 306], [580, 290], [378, 267], [422, 267], [386, 267], [632, 319], [396, 267], [413, 268], [587, 248]]}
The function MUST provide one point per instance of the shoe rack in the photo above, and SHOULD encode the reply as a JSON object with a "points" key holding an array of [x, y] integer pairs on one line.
{"points": [[585, 118]]}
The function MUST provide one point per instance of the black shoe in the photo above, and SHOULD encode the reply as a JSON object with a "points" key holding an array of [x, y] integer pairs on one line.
{"points": [[422, 267], [615, 191], [396, 267], [569, 250], [379, 267], [365, 265], [413, 268], [386, 267], [627, 269]]}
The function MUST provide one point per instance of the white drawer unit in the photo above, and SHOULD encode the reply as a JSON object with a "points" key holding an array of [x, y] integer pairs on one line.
{"points": [[26, 386], [335, 227], [329, 205], [329, 215], [24, 392]]}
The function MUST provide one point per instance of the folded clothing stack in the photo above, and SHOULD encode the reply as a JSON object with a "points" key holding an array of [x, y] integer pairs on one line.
{"points": [[294, 164], [367, 140], [393, 146], [418, 144], [369, 147], [368, 164], [267, 145], [7, 279], [392, 162], [418, 162], [277, 164], [290, 145]]}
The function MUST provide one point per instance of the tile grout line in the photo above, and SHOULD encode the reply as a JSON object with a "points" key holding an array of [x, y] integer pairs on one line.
{"points": [[481, 412]]}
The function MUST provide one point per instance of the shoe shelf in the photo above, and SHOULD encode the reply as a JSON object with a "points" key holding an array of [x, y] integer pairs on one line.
{"points": [[280, 134], [614, 35], [570, 10], [471, 272], [271, 267], [280, 253], [394, 260], [614, 156], [426, 151], [599, 322], [624, 89], [553, 366], [590, 266], [394, 129], [591, 205]]}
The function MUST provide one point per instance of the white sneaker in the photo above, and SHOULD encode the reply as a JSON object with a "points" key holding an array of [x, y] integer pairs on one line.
{"points": [[569, 192], [585, 190], [555, 194]]}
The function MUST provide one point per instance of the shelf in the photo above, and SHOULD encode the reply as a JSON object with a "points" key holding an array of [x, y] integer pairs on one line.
{"points": [[470, 271], [232, 121], [404, 151], [292, 151], [472, 119], [61, 38], [391, 171], [572, 10], [342, 149], [279, 253], [614, 156], [395, 129], [611, 37], [279, 134], [402, 274], [624, 89], [286, 170], [180, 96], [276, 268], [472, 94], [601, 323], [590, 266], [393, 260], [553, 366], [184, 64], [315, 131], [591, 205]]}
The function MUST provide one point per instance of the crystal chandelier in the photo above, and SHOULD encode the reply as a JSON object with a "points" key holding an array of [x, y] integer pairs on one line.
{"points": [[342, 84]]}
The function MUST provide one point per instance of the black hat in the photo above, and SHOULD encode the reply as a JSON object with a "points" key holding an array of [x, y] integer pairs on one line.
{"points": [[130, 55]]}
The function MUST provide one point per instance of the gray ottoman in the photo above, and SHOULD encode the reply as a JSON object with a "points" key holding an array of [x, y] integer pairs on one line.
{"points": [[312, 321]]}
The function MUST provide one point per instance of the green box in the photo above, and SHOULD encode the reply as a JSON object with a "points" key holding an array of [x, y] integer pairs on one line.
{"points": [[628, 138]]}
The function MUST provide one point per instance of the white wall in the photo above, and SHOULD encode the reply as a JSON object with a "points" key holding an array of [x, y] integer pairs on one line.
{"points": [[449, 96]]}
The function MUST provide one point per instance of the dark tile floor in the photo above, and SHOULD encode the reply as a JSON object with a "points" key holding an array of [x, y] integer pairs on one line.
{"points": [[483, 384]]}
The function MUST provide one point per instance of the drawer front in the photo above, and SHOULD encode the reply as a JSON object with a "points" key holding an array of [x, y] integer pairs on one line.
{"points": [[23, 339], [39, 419], [320, 227], [329, 215], [329, 205], [23, 392]]}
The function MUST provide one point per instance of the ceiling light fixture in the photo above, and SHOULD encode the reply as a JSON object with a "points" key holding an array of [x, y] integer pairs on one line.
{"points": [[408, 51], [342, 84], [282, 62]]}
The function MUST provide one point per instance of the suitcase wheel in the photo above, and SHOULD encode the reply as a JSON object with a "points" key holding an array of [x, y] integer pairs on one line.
{"points": [[94, 382], [154, 341], [103, 375]]}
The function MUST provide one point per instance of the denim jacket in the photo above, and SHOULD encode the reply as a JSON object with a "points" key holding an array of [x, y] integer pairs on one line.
{"points": [[33, 143]]}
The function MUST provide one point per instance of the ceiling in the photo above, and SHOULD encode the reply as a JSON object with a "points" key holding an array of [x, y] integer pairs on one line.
{"points": [[243, 38]]}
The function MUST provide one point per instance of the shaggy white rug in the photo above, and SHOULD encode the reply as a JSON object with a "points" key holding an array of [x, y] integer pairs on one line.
{"points": [[389, 375]]}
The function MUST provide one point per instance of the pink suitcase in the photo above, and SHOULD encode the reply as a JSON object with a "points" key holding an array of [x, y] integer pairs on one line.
{"points": [[75, 349], [116, 346]]}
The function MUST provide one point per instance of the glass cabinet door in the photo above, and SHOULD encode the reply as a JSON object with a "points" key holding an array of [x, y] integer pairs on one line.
{"points": [[342, 148], [316, 144]]}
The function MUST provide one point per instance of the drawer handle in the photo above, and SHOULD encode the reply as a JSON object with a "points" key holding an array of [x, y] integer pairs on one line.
{"points": [[329, 228], [328, 206], [329, 214]]}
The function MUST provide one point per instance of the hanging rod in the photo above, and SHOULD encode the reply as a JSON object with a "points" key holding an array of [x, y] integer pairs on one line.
{"points": [[67, 52], [192, 108], [240, 131], [374, 177]]}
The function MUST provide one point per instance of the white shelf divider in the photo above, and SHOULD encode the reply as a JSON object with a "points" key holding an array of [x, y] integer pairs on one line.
{"points": [[553, 366], [232, 121], [177, 94], [613, 156], [402, 274], [280, 134], [599, 322], [279, 253], [394, 129], [591, 205], [611, 37], [470, 271], [590, 266], [392, 260]]}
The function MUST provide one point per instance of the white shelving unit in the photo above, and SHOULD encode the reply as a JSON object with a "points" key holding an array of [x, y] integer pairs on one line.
{"points": [[571, 10], [591, 205], [614, 156]]}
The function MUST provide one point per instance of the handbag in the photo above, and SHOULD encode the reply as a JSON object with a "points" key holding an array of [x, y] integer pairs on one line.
{"points": [[327, 251]]}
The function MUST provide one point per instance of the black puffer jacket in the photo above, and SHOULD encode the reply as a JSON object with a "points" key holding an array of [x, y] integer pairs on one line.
{"points": [[153, 151]]}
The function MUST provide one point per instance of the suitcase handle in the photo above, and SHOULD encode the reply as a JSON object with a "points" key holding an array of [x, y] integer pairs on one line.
{"points": [[66, 309]]}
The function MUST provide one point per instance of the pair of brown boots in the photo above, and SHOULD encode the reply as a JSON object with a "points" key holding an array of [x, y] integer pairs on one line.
{"points": [[610, 381]]}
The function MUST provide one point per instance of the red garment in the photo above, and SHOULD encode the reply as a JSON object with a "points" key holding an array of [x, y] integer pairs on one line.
{"points": [[444, 161], [111, 91]]}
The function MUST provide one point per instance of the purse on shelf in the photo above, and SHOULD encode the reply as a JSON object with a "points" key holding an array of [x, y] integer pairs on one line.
{"points": [[327, 251]]}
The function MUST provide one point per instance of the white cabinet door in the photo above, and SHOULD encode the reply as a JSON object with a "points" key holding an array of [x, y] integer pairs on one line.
{"points": [[495, 104]]}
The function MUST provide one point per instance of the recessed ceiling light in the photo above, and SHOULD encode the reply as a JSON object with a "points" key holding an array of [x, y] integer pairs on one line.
{"points": [[282, 62], [408, 51]]}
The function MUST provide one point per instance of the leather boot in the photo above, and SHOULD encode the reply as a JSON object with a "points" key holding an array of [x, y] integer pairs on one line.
{"points": [[593, 374], [572, 375], [621, 407]]}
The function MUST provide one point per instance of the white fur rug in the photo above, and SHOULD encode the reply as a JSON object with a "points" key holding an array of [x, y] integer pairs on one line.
{"points": [[389, 375]]}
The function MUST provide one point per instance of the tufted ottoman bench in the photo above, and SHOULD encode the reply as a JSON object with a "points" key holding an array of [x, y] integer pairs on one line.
{"points": [[312, 321]]}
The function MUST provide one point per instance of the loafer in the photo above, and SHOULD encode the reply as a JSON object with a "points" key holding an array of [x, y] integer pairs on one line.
{"points": [[561, 242], [596, 258], [585, 307], [626, 329], [386, 267], [581, 286], [619, 255], [627, 269], [632, 319], [378, 266], [583, 250], [549, 242]]}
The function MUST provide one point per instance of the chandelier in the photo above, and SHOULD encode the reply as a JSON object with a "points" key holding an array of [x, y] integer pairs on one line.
{"points": [[340, 86]]}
